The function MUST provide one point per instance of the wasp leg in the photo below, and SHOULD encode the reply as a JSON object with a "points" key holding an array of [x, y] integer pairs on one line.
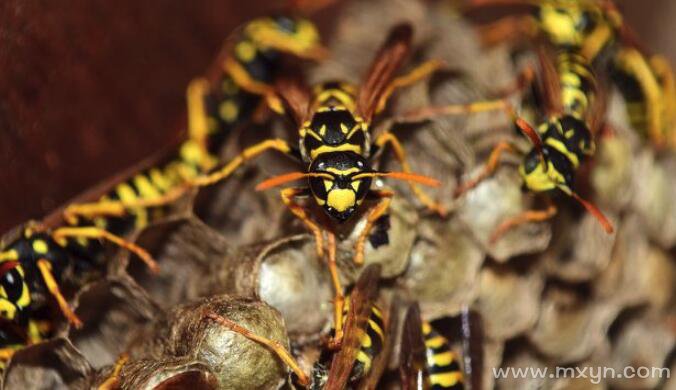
{"points": [[339, 299], [45, 268], [525, 78], [96, 233], [412, 77], [287, 196], [635, 64], [113, 381], [274, 345], [246, 155], [525, 217], [387, 137], [244, 80], [596, 41], [488, 169], [512, 29], [120, 208], [373, 215]]}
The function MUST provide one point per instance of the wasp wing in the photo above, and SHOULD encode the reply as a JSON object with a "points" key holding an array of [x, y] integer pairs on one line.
{"points": [[412, 357], [362, 299], [295, 96], [381, 72]]}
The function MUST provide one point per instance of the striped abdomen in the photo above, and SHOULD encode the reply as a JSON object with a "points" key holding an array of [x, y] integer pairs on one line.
{"points": [[443, 365], [371, 342]]}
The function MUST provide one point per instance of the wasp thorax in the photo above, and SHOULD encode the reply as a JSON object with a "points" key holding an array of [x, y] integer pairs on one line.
{"points": [[343, 186]]}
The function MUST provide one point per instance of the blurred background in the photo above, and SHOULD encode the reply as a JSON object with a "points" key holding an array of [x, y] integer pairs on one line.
{"points": [[90, 87]]}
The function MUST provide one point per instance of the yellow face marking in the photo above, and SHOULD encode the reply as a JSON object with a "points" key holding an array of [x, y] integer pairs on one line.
{"points": [[447, 379], [322, 130], [40, 247], [228, 111], [341, 199], [355, 185], [344, 172], [7, 309], [328, 184], [539, 180], [245, 51], [320, 201]]}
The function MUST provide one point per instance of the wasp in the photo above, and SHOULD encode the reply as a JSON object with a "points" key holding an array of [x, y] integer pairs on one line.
{"points": [[427, 359], [334, 121], [360, 349], [597, 31], [37, 260], [573, 107]]}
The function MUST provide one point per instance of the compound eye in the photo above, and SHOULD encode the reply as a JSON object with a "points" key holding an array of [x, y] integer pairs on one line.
{"points": [[13, 283], [319, 187]]}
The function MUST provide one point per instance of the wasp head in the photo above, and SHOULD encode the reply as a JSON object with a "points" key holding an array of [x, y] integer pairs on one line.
{"points": [[14, 293], [341, 186]]}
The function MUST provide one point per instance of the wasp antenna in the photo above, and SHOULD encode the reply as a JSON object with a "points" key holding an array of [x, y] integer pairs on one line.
{"points": [[592, 209], [405, 176], [287, 177], [532, 135]]}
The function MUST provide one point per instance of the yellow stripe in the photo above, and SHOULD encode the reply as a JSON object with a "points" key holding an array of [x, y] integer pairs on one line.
{"points": [[366, 341], [426, 328], [442, 359], [558, 145], [342, 171], [365, 359], [159, 180], [145, 187], [446, 379], [435, 342], [340, 148], [376, 328]]}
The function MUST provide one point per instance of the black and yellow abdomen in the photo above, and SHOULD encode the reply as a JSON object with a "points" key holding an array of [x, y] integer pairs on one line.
{"points": [[443, 366], [371, 342]]}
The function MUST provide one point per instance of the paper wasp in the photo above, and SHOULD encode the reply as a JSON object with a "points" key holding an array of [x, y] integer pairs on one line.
{"points": [[36, 260], [572, 111], [596, 29], [333, 123], [427, 360], [360, 356]]}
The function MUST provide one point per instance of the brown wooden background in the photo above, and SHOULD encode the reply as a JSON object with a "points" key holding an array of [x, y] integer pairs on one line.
{"points": [[89, 87]]}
